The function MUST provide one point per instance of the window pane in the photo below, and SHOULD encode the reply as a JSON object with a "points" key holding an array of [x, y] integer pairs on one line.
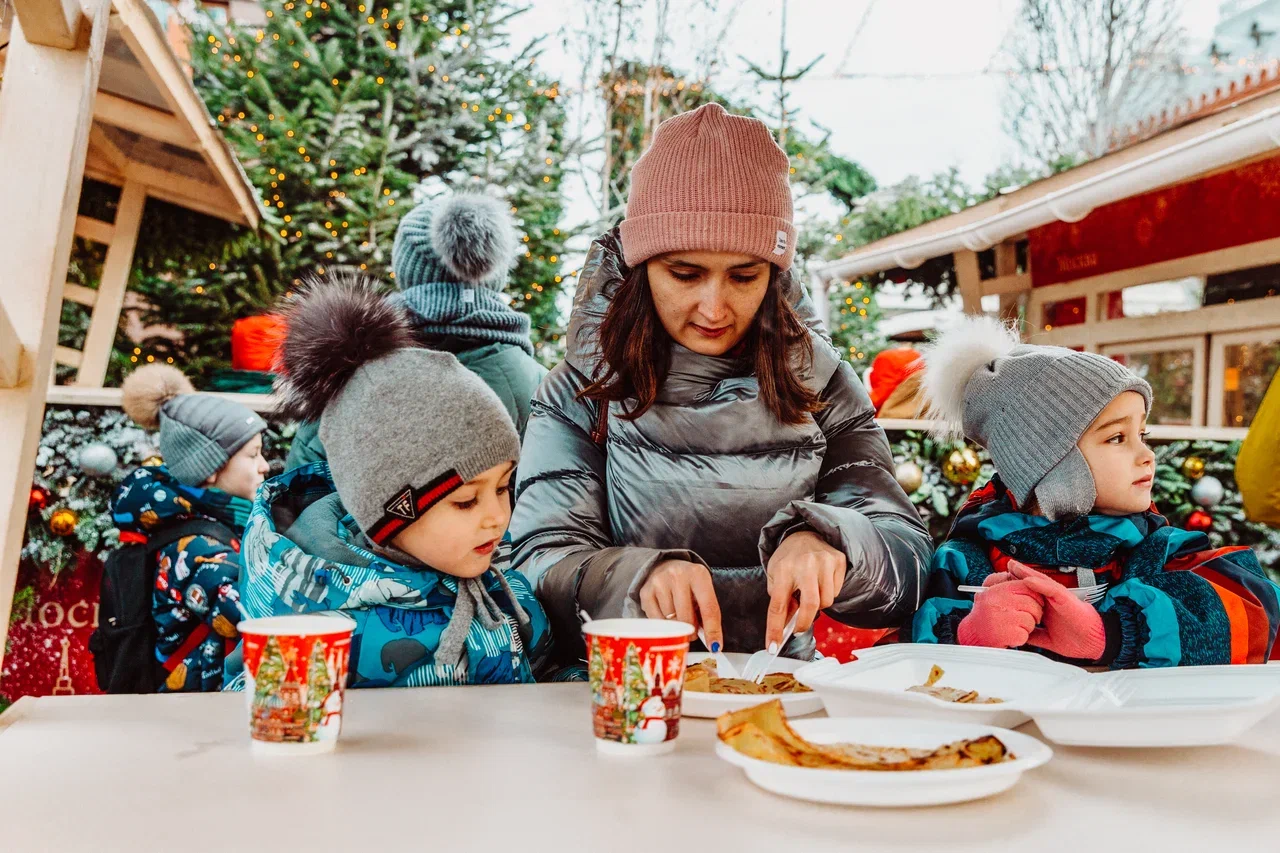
{"points": [[1172, 378], [1161, 297], [1249, 368]]}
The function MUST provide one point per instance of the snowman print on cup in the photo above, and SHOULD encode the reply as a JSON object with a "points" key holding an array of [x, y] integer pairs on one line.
{"points": [[652, 727]]}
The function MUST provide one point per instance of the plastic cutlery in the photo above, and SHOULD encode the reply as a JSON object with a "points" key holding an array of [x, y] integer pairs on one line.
{"points": [[724, 667], [1091, 594], [758, 664]]}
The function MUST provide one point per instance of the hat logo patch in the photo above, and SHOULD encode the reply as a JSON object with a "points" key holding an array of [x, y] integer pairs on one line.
{"points": [[402, 506], [780, 243]]}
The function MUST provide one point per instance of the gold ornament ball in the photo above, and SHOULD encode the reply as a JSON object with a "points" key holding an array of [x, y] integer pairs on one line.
{"points": [[1193, 467], [962, 466], [152, 461], [909, 476], [63, 521]]}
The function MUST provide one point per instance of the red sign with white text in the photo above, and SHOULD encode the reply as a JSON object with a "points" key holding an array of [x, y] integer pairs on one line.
{"points": [[1232, 208], [48, 652]]}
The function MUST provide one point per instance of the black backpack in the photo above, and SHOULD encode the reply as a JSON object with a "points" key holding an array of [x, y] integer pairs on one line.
{"points": [[124, 644]]}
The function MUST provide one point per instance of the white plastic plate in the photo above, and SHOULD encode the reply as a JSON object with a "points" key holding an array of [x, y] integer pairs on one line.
{"points": [[1182, 706], [876, 683], [715, 704], [887, 788]]}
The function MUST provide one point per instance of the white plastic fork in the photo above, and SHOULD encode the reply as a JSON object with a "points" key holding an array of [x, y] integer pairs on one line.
{"points": [[758, 664], [1089, 594]]}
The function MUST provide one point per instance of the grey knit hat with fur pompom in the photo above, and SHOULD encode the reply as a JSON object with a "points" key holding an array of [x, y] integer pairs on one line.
{"points": [[199, 433], [403, 426], [1027, 405], [465, 239]]}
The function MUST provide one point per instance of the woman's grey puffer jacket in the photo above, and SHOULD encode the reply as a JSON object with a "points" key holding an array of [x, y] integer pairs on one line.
{"points": [[707, 474]]}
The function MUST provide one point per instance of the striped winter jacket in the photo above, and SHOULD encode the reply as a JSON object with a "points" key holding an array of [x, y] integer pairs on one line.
{"points": [[1171, 598]]}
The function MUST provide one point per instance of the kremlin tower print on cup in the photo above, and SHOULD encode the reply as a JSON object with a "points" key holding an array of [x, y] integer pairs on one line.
{"points": [[635, 688], [294, 686]]}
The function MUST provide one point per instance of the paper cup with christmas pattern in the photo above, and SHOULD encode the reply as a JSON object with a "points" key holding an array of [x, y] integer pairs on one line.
{"points": [[295, 676], [637, 677]]}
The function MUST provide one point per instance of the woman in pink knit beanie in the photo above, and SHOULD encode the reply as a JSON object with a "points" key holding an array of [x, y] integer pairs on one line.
{"points": [[702, 454]]}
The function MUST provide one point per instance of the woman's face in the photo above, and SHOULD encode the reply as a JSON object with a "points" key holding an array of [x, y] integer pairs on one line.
{"points": [[707, 300]]}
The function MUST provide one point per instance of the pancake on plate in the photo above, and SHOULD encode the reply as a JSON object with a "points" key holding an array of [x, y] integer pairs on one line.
{"points": [[761, 732], [950, 694], [702, 677]]}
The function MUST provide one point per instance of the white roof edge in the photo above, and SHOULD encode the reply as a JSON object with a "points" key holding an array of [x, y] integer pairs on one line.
{"points": [[1240, 140]]}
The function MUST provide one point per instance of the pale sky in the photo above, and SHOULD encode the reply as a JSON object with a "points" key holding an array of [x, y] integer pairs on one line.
{"points": [[894, 126]]}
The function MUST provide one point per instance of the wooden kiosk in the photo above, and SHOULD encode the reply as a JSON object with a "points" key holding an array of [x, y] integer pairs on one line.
{"points": [[88, 88], [1163, 253]]}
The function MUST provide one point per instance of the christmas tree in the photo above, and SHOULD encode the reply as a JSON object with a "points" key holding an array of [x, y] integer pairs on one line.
{"points": [[272, 671], [319, 684], [596, 672]]}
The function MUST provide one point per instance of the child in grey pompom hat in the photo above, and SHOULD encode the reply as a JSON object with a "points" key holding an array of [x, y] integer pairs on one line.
{"points": [[1029, 406], [1063, 552], [402, 529]]}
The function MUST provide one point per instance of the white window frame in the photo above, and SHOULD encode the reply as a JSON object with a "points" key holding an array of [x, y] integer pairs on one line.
{"points": [[1218, 363], [1198, 347]]}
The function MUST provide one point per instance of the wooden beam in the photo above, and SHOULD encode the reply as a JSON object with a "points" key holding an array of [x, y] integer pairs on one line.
{"points": [[1007, 284], [142, 32], [45, 111], [111, 287], [74, 395], [105, 147], [52, 23], [68, 356], [969, 280], [143, 120], [94, 229], [1209, 320], [79, 293], [10, 352]]}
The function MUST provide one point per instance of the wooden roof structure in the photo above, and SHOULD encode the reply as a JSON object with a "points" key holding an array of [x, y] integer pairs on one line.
{"points": [[88, 88]]}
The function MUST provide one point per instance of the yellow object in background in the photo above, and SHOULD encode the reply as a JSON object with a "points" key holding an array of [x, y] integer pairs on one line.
{"points": [[1258, 462]]}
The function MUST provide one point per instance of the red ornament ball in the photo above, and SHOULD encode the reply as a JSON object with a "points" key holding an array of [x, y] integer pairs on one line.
{"points": [[1199, 520], [39, 499]]}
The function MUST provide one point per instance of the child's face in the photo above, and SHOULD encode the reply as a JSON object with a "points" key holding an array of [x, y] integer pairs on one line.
{"points": [[460, 533], [243, 472], [1122, 464]]}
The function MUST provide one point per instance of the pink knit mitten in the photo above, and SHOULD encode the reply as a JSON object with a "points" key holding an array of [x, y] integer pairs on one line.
{"points": [[1004, 616], [1072, 627]]}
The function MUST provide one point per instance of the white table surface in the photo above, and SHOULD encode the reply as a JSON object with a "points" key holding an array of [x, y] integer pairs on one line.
{"points": [[514, 769]]}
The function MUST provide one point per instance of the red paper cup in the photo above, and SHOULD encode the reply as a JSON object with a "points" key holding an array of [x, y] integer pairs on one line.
{"points": [[295, 677], [637, 677]]}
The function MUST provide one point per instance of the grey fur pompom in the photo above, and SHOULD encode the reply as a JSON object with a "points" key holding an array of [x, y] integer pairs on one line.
{"points": [[474, 237]]}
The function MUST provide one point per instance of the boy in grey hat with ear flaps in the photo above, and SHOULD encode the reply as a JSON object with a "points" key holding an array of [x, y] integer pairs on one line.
{"points": [[402, 528], [1072, 557]]}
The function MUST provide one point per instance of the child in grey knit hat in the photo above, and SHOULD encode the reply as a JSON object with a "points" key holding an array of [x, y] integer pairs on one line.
{"points": [[1069, 553], [197, 503], [402, 528]]}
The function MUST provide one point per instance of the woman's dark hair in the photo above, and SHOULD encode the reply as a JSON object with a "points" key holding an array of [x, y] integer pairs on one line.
{"points": [[636, 350]]}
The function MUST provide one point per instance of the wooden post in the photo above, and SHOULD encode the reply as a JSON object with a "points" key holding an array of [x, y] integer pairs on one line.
{"points": [[969, 280], [11, 352], [112, 286], [51, 23], [1007, 265], [45, 112]]}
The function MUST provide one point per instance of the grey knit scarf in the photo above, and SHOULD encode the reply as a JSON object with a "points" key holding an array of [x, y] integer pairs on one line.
{"points": [[475, 602], [473, 313]]}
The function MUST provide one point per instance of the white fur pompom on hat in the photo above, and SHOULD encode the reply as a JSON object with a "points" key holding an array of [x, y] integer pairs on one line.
{"points": [[150, 387], [951, 361]]}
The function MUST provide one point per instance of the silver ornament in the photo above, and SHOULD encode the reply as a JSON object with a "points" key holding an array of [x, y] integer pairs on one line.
{"points": [[1207, 492], [97, 459]]}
